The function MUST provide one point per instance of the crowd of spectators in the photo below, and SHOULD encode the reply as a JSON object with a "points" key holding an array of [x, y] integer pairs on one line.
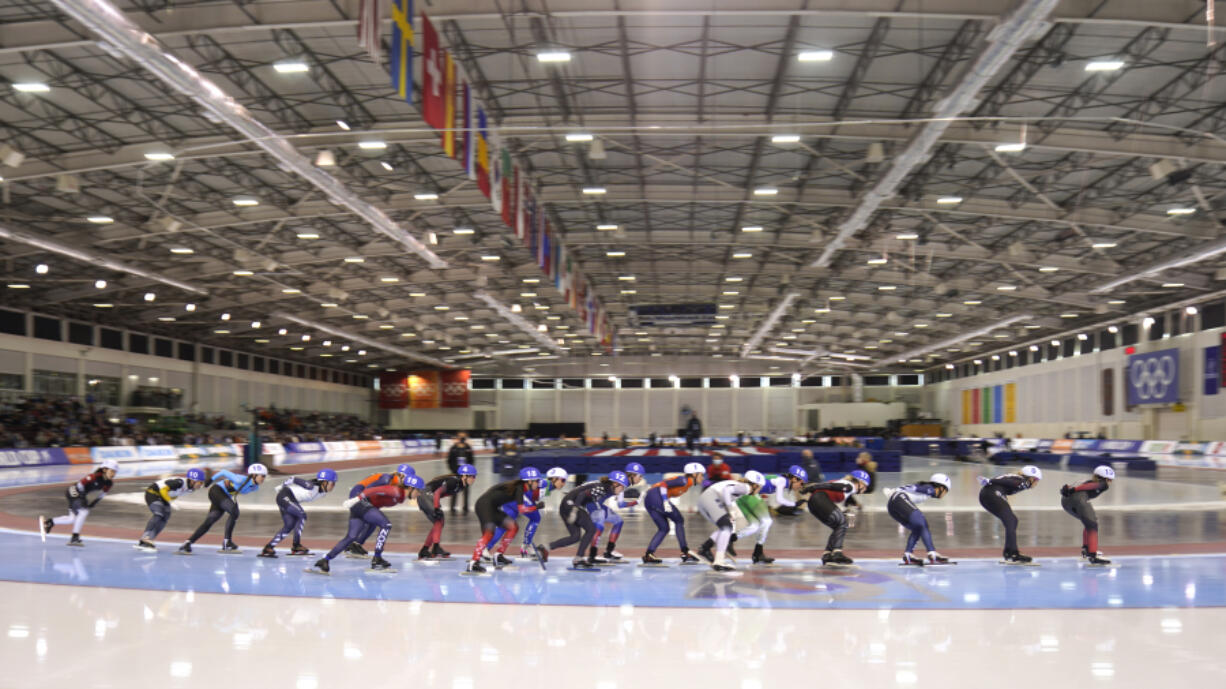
{"points": [[53, 422]]}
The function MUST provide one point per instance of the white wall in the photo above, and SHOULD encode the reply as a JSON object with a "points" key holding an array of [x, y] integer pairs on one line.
{"points": [[1065, 395], [206, 388]]}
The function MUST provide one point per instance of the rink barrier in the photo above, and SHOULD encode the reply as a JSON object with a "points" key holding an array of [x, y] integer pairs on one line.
{"points": [[1076, 461], [831, 459]]}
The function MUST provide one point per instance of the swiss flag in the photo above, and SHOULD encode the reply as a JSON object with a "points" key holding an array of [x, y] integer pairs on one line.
{"points": [[433, 82]]}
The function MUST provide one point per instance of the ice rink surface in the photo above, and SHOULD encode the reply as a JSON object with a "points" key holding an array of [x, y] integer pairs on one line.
{"points": [[108, 616]]}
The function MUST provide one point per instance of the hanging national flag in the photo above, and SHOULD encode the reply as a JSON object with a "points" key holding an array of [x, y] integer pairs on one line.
{"points": [[483, 152], [508, 186], [432, 75], [400, 57], [449, 122], [469, 133], [521, 207], [370, 29], [496, 178]]}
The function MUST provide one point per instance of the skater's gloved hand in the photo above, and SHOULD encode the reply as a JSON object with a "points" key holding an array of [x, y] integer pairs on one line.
{"points": [[540, 504], [983, 481], [438, 513], [73, 492], [90, 505], [1066, 490], [350, 502], [668, 505]]}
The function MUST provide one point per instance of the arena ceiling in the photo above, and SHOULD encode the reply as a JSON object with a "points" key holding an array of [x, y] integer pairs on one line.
{"points": [[897, 225]]}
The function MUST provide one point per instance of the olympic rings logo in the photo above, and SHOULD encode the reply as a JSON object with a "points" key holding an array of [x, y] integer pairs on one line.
{"points": [[1152, 378], [423, 389], [394, 391], [454, 389]]}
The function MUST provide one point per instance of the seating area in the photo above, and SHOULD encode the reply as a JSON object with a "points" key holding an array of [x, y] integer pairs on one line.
{"points": [[833, 461]]}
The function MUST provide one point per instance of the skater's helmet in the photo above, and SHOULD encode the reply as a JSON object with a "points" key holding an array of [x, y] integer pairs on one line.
{"points": [[619, 477], [799, 472], [257, 470], [415, 481], [755, 477], [529, 474], [1104, 471], [1032, 471], [326, 475], [110, 464], [942, 480], [557, 472], [195, 474], [466, 470], [694, 468], [406, 469], [862, 477], [635, 468]]}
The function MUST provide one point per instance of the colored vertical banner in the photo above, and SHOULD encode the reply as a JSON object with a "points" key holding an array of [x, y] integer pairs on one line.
{"points": [[998, 404], [449, 117], [455, 388], [1010, 402], [1213, 371], [393, 391], [966, 406], [424, 390], [400, 56], [433, 76], [985, 401], [1108, 391], [974, 405]]}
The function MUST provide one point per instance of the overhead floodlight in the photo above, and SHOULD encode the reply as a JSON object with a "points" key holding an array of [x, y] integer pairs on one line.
{"points": [[515, 319], [339, 334], [606, 228], [785, 139], [101, 219], [291, 67], [751, 228], [1103, 245], [765, 191], [1180, 211], [426, 196], [1104, 65], [815, 56], [245, 201], [595, 191], [159, 156], [31, 87], [325, 158], [576, 137], [742, 254], [1153, 269], [1016, 147], [343, 125], [920, 351], [372, 145], [949, 200], [100, 284], [553, 56]]}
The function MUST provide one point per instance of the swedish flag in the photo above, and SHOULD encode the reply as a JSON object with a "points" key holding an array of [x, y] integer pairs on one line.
{"points": [[400, 57]]}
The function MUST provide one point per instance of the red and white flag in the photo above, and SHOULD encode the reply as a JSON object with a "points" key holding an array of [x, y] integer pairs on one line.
{"points": [[433, 78], [370, 29]]}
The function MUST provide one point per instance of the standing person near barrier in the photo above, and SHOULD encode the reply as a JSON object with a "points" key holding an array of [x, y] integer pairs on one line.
{"points": [[226, 486], [363, 510], [460, 453], [718, 470], [823, 501], [902, 505], [396, 478], [290, 497], [1076, 501], [994, 496], [662, 510], [578, 521], [159, 495], [430, 502], [82, 496], [718, 504]]}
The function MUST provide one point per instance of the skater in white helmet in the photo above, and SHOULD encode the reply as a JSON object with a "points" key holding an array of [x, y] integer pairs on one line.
{"points": [[1076, 501], [902, 504], [994, 496]]}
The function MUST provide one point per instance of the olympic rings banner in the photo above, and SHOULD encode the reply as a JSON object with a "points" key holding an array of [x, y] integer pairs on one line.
{"points": [[393, 391], [1153, 378], [455, 388], [424, 389]]}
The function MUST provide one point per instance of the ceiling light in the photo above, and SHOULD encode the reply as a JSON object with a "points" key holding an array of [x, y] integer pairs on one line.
{"points": [[531, 281], [1103, 65], [181, 250], [342, 124], [1055, 343], [150, 296], [101, 219], [752, 228], [291, 67], [166, 319], [221, 332], [1172, 284], [360, 317], [614, 254], [552, 56], [31, 87], [355, 259], [296, 349], [727, 306], [463, 230], [42, 268], [630, 291], [595, 191], [308, 235], [282, 331], [1048, 269], [100, 284], [1017, 147], [1006, 288], [949, 200], [18, 285], [442, 307], [260, 340], [886, 288], [765, 191], [626, 278], [389, 278], [731, 292], [325, 158], [1083, 337], [815, 56], [1068, 315], [244, 201], [785, 139], [104, 306], [878, 261], [372, 145], [733, 279], [1113, 329], [906, 235], [944, 315], [1180, 211], [527, 295], [255, 325], [243, 273], [1116, 302], [1103, 245], [972, 302], [417, 294], [426, 196], [159, 156], [491, 257], [386, 165], [291, 290], [579, 136]]}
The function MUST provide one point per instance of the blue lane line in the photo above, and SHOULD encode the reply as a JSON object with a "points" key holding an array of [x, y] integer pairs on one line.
{"points": [[1189, 581]]}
